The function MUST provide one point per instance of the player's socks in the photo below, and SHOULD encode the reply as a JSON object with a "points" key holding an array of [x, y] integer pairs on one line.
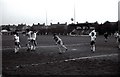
{"points": [[34, 48], [93, 48], [31, 48], [19, 46], [16, 50]]}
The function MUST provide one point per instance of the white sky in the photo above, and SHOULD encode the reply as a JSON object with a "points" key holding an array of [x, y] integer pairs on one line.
{"points": [[34, 11], [119, 10]]}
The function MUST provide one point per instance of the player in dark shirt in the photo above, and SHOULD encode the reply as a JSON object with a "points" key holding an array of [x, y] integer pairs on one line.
{"points": [[59, 42], [106, 36]]}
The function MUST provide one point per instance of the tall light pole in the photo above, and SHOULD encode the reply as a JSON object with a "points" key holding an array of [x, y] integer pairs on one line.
{"points": [[119, 15], [46, 18], [74, 13]]}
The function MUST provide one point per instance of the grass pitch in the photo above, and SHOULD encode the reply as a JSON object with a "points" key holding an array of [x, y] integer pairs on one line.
{"points": [[46, 60]]}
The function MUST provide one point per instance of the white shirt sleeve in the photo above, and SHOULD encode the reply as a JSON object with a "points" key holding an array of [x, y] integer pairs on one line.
{"points": [[90, 33]]}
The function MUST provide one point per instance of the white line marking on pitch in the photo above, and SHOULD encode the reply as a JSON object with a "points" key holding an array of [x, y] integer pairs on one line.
{"points": [[80, 58], [89, 57], [46, 46], [74, 49]]}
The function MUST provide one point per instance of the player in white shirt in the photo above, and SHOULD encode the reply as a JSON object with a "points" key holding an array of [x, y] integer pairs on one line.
{"points": [[34, 42], [93, 32], [93, 40], [117, 36], [17, 42], [29, 38], [118, 39], [59, 43]]}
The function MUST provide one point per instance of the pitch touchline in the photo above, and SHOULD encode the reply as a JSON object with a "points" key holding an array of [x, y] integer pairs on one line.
{"points": [[46, 46], [89, 57], [80, 58]]}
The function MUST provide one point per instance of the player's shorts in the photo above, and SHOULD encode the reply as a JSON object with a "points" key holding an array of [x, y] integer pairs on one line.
{"points": [[92, 42], [119, 40], [34, 42], [17, 44], [106, 37], [60, 42], [29, 40]]}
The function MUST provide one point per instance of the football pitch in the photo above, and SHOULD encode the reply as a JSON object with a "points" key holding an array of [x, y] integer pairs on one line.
{"points": [[46, 60]]}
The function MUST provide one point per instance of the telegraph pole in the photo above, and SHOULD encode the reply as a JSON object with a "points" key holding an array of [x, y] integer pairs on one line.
{"points": [[74, 13], [119, 15], [46, 18]]}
